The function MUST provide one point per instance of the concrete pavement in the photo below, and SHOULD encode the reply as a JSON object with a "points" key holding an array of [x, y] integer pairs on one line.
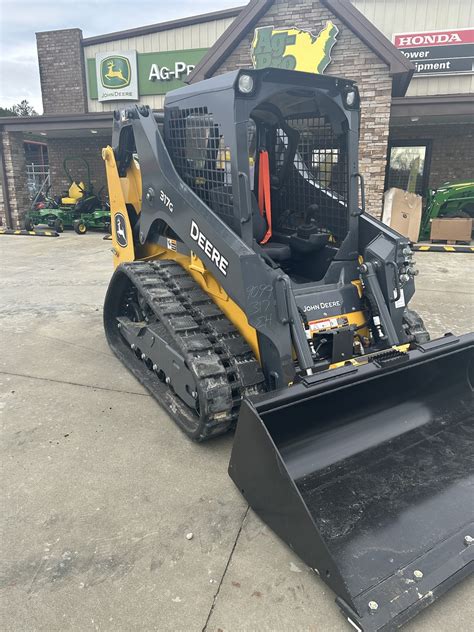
{"points": [[100, 488]]}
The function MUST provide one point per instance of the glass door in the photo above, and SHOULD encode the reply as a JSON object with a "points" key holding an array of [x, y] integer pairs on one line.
{"points": [[408, 166]]}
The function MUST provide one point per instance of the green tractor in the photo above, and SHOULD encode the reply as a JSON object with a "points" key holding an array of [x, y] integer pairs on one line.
{"points": [[79, 208], [452, 199]]}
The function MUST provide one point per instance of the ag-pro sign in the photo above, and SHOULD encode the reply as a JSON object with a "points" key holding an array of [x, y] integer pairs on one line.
{"points": [[154, 73], [180, 69]]}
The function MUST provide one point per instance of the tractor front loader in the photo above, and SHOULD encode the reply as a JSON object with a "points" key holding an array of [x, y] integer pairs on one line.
{"points": [[252, 292]]}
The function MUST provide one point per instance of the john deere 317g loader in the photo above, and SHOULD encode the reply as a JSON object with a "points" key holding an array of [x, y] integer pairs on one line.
{"points": [[252, 291]]}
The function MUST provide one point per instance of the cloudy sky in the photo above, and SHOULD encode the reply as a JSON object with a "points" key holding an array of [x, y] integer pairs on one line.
{"points": [[21, 19]]}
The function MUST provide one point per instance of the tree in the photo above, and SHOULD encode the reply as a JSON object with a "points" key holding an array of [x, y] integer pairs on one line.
{"points": [[24, 109], [20, 109], [7, 112]]}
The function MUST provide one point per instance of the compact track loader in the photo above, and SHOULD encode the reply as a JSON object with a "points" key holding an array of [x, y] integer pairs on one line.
{"points": [[251, 290]]}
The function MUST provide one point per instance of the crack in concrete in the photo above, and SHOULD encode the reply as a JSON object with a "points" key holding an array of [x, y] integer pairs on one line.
{"points": [[216, 595], [74, 344], [50, 379]]}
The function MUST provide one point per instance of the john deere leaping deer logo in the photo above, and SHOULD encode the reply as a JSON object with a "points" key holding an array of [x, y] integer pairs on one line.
{"points": [[115, 72], [120, 230], [293, 49]]}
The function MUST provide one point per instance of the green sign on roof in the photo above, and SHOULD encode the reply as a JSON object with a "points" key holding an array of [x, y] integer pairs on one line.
{"points": [[156, 73]]}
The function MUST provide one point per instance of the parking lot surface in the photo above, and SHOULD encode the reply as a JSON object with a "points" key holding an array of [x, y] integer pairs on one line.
{"points": [[99, 488]]}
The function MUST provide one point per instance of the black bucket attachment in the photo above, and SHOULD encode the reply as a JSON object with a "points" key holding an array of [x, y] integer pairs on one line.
{"points": [[368, 475]]}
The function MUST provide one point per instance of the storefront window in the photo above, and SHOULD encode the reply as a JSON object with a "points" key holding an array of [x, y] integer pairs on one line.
{"points": [[37, 167], [408, 167]]}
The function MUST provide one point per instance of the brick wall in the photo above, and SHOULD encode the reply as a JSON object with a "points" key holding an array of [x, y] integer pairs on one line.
{"points": [[15, 167], [89, 148], [352, 59], [452, 149], [3, 215], [62, 72]]}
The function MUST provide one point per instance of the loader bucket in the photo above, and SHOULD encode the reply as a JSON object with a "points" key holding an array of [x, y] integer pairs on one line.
{"points": [[367, 473]]}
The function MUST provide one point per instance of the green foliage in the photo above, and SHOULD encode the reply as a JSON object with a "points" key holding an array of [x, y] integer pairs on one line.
{"points": [[20, 109], [7, 112]]}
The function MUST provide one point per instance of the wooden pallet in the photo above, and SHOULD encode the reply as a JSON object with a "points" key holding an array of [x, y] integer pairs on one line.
{"points": [[450, 242]]}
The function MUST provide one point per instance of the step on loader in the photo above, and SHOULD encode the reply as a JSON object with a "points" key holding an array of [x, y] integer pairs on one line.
{"points": [[252, 291]]}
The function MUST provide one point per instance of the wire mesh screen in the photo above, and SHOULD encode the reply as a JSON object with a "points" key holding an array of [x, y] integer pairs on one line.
{"points": [[315, 187], [201, 157]]}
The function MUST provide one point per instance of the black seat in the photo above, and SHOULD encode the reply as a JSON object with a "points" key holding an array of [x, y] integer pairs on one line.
{"points": [[277, 251], [274, 249], [222, 199], [307, 243]]}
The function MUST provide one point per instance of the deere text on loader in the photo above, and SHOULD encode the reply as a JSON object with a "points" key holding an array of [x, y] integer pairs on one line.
{"points": [[251, 291]]}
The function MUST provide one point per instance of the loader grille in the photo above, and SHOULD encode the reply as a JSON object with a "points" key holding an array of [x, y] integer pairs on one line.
{"points": [[202, 158], [316, 183]]}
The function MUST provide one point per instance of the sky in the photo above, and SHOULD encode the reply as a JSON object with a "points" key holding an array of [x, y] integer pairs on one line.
{"points": [[21, 19]]}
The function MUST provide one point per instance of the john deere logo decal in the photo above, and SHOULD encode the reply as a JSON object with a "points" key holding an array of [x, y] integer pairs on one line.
{"points": [[117, 76], [115, 72], [293, 49], [120, 230]]}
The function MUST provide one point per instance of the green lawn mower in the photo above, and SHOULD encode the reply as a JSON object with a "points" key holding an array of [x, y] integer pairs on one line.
{"points": [[79, 208], [452, 199]]}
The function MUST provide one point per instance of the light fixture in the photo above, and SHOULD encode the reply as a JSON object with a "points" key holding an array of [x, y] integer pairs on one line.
{"points": [[93, 131], [245, 84], [415, 119], [350, 98]]}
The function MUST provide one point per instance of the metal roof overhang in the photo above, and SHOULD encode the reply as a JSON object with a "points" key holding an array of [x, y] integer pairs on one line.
{"points": [[432, 110], [57, 126]]}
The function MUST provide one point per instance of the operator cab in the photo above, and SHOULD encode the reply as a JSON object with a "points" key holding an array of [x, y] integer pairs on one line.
{"points": [[300, 182], [292, 142]]}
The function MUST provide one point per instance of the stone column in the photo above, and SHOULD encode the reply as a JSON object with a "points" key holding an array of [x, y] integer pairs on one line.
{"points": [[15, 167]]}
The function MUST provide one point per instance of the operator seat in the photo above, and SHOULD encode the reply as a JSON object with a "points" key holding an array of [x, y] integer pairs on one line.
{"points": [[222, 199], [274, 249], [75, 192]]}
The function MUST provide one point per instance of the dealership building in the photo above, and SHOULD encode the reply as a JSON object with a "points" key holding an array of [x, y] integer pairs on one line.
{"points": [[413, 63]]}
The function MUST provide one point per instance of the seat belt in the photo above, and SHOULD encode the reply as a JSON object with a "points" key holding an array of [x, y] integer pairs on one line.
{"points": [[264, 194]]}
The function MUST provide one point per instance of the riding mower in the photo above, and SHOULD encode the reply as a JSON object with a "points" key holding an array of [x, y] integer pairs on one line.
{"points": [[88, 215], [452, 199], [78, 208]]}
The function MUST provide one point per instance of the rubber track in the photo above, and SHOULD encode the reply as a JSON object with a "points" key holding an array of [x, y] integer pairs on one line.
{"points": [[223, 364]]}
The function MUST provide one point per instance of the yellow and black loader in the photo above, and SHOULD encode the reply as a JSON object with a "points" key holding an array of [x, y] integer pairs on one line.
{"points": [[252, 291]]}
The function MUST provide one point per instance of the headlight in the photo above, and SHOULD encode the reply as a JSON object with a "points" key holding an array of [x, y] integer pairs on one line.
{"points": [[245, 84]]}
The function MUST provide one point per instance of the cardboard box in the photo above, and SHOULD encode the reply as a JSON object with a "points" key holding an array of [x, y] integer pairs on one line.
{"points": [[402, 212], [451, 229]]}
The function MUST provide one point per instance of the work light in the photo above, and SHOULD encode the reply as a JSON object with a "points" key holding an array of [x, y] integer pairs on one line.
{"points": [[350, 98], [245, 84]]}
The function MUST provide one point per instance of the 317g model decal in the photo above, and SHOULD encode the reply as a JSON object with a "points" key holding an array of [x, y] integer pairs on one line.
{"points": [[166, 201]]}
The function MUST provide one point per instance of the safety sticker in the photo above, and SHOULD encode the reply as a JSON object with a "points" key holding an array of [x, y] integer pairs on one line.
{"points": [[171, 244], [401, 300]]}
